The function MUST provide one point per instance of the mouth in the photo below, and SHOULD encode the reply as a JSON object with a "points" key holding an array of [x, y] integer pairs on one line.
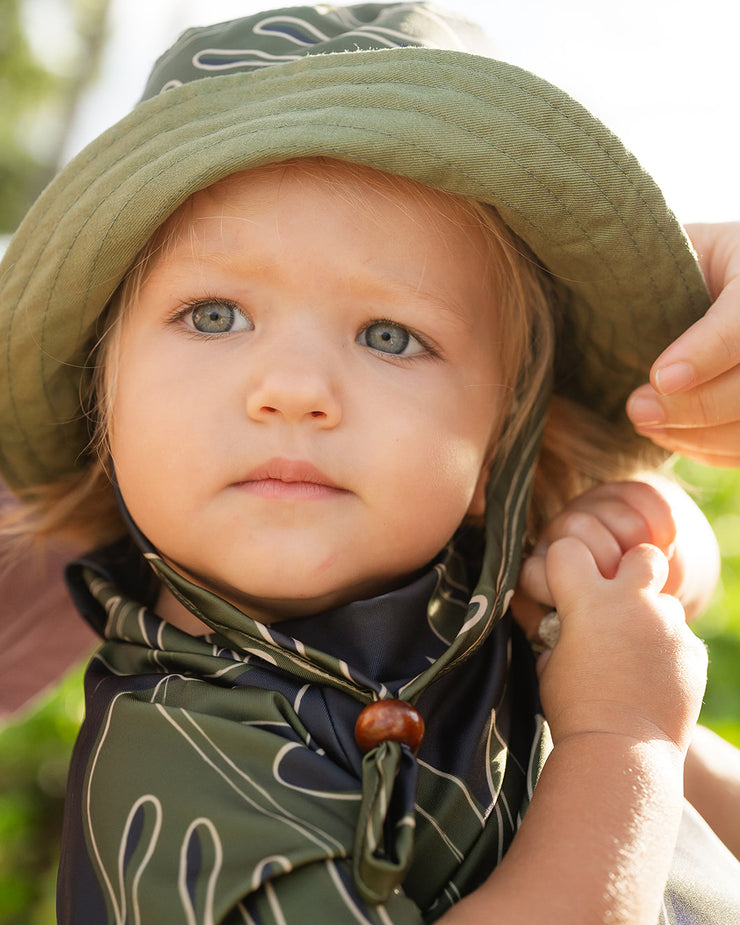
{"points": [[289, 479]]}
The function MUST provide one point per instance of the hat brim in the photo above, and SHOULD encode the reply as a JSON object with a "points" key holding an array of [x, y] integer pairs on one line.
{"points": [[477, 127]]}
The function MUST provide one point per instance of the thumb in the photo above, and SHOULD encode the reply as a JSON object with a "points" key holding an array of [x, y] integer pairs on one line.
{"points": [[570, 567], [645, 567]]}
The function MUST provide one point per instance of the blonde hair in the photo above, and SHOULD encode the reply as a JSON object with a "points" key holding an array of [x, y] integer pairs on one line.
{"points": [[579, 449]]}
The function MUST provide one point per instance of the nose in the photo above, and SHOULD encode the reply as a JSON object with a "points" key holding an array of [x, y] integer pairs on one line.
{"points": [[295, 391]]}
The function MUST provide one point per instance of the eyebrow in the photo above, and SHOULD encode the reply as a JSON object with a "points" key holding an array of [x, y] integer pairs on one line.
{"points": [[458, 311], [185, 254]]}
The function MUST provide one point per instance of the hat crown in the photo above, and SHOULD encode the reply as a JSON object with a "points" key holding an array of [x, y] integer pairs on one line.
{"points": [[287, 34]]}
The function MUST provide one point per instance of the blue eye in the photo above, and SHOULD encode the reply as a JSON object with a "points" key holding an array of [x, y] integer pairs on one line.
{"points": [[388, 337], [216, 317]]}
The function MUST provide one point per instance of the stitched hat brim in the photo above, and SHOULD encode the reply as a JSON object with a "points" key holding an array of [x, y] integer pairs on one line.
{"points": [[460, 122]]}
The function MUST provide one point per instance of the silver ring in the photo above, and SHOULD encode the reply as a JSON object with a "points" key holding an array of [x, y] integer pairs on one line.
{"points": [[548, 633]]}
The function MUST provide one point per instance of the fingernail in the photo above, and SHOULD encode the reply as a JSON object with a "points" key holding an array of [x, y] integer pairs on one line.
{"points": [[645, 411], [674, 378]]}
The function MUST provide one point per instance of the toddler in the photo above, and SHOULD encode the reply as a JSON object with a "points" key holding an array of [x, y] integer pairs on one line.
{"points": [[281, 347]]}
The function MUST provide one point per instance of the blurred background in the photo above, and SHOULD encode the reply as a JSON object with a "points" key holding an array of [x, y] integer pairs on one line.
{"points": [[662, 73]]}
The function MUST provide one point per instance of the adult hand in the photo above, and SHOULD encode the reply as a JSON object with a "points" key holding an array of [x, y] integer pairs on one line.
{"points": [[692, 404]]}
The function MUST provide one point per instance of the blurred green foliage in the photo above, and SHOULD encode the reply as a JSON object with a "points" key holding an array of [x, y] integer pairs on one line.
{"points": [[25, 84], [42, 73], [34, 756], [717, 491]]}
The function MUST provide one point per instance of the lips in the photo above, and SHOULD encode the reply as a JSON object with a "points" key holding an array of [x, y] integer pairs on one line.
{"points": [[289, 479]]}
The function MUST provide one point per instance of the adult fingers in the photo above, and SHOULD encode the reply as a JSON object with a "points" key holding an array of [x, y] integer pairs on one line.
{"points": [[712, 446], [712, 345], [715, 402]]}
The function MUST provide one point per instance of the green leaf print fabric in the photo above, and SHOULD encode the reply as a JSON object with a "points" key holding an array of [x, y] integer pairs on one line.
{"points": [[214, 780]]}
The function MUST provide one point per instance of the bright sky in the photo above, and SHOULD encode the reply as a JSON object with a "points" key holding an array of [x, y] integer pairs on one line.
{"points": [[663, 74]]}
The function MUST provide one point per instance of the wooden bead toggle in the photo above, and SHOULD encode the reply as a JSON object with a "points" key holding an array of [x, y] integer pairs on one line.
{"points": [[389, 721]]}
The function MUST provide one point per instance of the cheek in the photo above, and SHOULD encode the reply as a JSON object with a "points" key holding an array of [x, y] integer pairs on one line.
{"points": [[440, 470], [162, 405], [145, 435], [462, 458], [458, 465], [439, 485]]}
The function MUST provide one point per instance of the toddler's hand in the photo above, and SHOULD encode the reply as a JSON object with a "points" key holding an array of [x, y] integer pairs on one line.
{"points": [[626, 662], [615, 517], [609, 519]]}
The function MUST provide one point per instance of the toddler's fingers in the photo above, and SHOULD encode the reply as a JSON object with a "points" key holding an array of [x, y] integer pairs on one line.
{"points": [[570, 569], [528, 614], [533, 580], [644, 567], [586, 525], [634, 511], [648, 504]]}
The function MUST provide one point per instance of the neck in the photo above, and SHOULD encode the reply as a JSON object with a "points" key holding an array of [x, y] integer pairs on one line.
{"points": [[175, 613]]}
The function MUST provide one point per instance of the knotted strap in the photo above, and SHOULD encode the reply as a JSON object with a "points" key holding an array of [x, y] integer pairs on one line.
{"points": [[384, 839]]}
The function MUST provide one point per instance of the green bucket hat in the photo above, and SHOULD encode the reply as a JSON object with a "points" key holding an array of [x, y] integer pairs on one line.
{"points": [[400, 87]]}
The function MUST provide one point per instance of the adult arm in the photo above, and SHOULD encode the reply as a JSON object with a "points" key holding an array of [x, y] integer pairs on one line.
{"points": [[712, 784]]}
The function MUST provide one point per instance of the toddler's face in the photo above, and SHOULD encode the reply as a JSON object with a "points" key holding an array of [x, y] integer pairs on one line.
{"points": [[307, 388]]}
